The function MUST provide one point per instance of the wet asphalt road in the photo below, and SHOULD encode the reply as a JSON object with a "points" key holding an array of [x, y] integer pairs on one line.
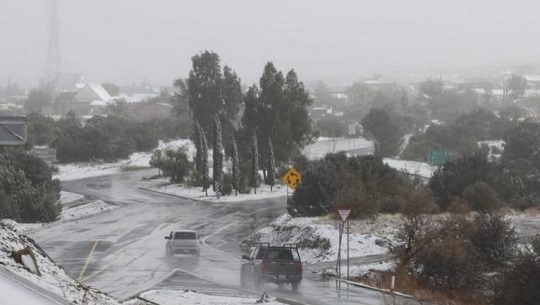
{"points": [[122, 252]]}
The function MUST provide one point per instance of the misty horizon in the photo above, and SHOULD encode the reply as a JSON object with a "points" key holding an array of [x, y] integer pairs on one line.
{"points": [[337, 41]]}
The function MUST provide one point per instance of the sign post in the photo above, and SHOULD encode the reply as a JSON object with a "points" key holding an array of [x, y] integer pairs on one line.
{"points": [[291, 178], [344, 215]]}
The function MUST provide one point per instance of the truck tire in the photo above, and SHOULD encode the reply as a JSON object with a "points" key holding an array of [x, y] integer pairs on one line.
{"points": [[167, 252], [295, 285]]}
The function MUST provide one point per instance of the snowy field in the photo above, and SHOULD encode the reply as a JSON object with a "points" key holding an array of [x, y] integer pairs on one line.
{"points": [[364, 240], [364, 234]]}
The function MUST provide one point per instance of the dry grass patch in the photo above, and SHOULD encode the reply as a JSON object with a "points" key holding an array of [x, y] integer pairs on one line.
{"points": [[409, 285]]}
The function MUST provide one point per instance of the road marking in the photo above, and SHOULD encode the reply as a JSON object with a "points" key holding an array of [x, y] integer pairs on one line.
{"points": [[216, 232], [88, 259], [97, 272], [221, 229]]}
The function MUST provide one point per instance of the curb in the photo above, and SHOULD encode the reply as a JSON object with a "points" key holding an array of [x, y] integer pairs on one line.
{"points": [[173, 195], [385, 291]]}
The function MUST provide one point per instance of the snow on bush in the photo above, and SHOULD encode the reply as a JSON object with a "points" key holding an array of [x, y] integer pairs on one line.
{"points": [[318, 238]]}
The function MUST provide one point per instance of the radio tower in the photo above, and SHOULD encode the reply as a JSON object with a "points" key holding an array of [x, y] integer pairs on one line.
{"points": [[53, 64]]}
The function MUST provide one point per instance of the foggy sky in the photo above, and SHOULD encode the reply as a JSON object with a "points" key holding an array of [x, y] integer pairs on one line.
{"points": [[126, 41]]}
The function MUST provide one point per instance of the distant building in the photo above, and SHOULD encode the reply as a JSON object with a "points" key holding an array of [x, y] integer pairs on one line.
{"points": [[92, 92], [319, 112], [148, 111], [91, 99]]}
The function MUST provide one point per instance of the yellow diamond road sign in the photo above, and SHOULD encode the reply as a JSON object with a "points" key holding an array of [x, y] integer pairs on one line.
{"points": [[292, 178]]}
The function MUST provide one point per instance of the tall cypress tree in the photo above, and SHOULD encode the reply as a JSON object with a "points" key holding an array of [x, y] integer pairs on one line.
{"points": [[250, 118], [217, 176], [297, 101], [271, 165], [198, 145], [235, 167], [210, 91], [254, 164], [204, 162]]}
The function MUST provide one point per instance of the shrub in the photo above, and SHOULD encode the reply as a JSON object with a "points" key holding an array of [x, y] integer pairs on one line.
{"points": [[364, 183], [173, 163], [494, 239], [28, 194], [454, 254], [519, 283], [481, 197]]}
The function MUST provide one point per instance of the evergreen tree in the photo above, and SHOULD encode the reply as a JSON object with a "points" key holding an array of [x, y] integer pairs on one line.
{"points": [[250, 119], [204, 162], [198, 147], [271, 165], [211, 92], [235, 167], [204, 85], [297, 100], [386, 130], [218, 158], [27, 191], [279, 111], [254, 164], [273, 117], [233, 98]]}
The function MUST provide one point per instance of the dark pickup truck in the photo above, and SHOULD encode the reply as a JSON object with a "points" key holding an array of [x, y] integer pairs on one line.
{"points": [[272, 264]]}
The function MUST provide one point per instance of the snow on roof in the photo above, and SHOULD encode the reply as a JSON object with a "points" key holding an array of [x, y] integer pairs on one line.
{"points": [[98, 88], [92, 92], [99, 103], [533, 77], [497, 92], [140, 97], [479, 90]]}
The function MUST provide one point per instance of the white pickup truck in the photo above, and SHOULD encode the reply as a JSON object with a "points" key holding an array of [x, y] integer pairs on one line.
{"points": [[182, 241]]}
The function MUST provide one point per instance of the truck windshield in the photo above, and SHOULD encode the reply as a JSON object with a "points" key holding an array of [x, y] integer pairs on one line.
{"points": [[275, 254], [185, 235]]}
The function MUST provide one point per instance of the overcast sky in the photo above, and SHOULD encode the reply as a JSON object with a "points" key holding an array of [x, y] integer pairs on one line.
{"points": [[126, 41]]}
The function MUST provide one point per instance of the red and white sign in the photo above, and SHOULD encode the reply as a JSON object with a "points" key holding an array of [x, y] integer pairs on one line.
{"points": [[344, 214]]}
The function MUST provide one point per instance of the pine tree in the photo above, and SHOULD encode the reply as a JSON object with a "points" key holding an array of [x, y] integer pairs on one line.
{"points": [[250, 118], [218, 158], [254, 164], [210, 91], [297, 101], [235, 167], [204, 162], [271, 165], [278, 110], [198, 147]]}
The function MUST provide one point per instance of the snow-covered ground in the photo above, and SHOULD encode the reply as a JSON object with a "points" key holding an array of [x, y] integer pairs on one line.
{"points": [[42, 279], [310, 233], [364, 234], [421, 169]]}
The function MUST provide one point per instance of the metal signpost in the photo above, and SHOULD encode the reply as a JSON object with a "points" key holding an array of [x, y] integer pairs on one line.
{"points": [[344, 215], [291, 178]]}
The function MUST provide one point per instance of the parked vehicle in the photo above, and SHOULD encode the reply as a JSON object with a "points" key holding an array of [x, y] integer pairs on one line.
{"points": [[182, 241], [272, 264]]}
